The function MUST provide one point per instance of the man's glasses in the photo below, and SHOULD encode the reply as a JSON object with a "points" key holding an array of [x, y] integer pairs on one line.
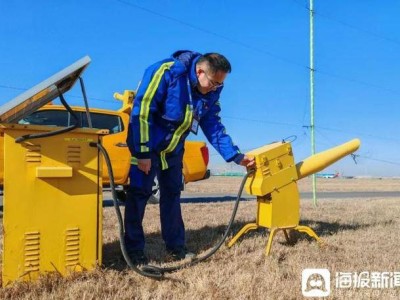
{"points": [[213, 83]]}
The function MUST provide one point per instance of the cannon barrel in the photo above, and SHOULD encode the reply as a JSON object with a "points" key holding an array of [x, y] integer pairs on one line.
{"points": [[320, 161]]}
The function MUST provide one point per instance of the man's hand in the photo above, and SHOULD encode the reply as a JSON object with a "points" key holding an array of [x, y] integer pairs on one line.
{"points": [[248, 162], [144, 165]]}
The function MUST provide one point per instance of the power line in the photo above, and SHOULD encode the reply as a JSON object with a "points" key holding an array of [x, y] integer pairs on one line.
{"points": [[380, 160], [363, 30], [316, 127], [359, 29], [12, 87], [250, 47], [359, 133], [365, 83], [304, 5], [329, 74], [245, 119], [331, 144], [260, 121], [229, 39], [356, 156]]}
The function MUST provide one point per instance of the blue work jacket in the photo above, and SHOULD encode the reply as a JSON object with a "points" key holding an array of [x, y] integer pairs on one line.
{"points": [[163, 110]]}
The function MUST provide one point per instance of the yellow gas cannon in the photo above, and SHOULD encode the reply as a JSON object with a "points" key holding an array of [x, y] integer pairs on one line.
{"points": [[274, 182]]}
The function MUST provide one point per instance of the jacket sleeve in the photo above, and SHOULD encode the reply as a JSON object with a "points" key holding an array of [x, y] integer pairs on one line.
{"points": [[216, 134], [151, 92]]}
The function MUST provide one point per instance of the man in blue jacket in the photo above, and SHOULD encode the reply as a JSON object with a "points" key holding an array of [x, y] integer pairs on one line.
{"points": [[176, 96]]}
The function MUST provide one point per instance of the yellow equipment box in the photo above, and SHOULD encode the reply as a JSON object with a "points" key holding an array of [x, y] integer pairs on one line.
{"points": [[52, 205], [275, 177]]}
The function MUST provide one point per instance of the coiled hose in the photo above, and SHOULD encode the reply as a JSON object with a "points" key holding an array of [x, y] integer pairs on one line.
{"points": [[154, 271]]}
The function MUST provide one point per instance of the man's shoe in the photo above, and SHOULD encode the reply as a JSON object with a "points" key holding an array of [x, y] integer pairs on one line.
{"points": [[179, 254], [138, 257]]}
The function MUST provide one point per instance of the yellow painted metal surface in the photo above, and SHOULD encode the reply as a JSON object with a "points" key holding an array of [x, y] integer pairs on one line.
{"points": [[274, 182], [52, 221], [1, 158], [194, 167], [127, 100], [275, 169], [53, 172], [282, 210], [320, 161]]}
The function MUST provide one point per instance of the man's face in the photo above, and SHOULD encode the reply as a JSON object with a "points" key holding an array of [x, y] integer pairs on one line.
{"points": [[208, 81]]}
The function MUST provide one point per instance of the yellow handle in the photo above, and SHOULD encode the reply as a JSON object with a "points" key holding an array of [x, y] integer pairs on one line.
{"points": [[53, 172]]}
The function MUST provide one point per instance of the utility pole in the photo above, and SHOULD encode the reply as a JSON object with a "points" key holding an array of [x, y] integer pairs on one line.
{"points": [[312, 124]]}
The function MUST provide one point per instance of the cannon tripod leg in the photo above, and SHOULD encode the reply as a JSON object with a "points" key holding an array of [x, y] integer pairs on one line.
{"points": [[246, 228], [273, 231], [299, 228], [310, 232]]}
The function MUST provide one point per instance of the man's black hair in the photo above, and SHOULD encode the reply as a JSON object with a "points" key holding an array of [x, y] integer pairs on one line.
{"points": [[216, 62]]}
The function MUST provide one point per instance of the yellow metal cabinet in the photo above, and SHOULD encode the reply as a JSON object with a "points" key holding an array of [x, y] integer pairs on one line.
{"points": [[52, 203]]}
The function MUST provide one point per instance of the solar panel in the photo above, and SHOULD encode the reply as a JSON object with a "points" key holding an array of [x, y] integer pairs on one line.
{"points": [[41, 94]]}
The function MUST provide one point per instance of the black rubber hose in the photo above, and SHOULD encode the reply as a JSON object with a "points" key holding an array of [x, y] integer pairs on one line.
{"points": [[153, 271], [52, 133], [219, 244]]}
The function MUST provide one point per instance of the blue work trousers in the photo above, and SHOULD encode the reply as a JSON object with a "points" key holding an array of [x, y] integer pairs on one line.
{"points": [[172, 226]]}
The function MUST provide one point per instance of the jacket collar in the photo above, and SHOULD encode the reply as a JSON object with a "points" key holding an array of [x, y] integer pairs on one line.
{"points": [[189, 60]]}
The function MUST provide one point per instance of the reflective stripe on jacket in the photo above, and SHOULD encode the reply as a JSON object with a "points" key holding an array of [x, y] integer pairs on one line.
{"points": [[162, 111]]}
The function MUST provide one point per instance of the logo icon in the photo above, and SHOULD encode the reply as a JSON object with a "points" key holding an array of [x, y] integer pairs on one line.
{"points": [[316, 282]]}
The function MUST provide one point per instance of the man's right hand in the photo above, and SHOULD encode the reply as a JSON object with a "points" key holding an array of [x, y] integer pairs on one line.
{"points": [[144, 165], [248, 162]]}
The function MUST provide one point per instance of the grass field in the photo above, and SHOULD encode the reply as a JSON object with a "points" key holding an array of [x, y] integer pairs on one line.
{"points": [[361, 235]]}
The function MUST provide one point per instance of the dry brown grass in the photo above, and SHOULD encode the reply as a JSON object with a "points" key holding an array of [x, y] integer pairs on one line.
{"points": [[361, 234], [220, 184]]}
